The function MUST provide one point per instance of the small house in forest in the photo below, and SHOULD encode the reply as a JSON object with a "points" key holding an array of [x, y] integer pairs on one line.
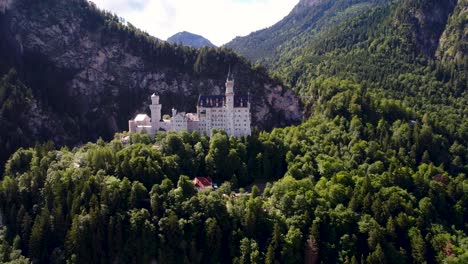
{"points": [[202, 183]]}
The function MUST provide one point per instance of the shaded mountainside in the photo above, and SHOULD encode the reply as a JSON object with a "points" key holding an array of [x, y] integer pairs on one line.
{"points": [[85, 74], [302, 25], [191, 40], [412, 51], [423, 21]]}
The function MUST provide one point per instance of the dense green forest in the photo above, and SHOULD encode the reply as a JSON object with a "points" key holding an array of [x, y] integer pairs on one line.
{"points": [[376, 174], [369, 180], [412, 52], [15, 99]]}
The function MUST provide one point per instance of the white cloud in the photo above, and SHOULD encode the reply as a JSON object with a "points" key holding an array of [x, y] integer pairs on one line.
{"points": [[218, 20]]}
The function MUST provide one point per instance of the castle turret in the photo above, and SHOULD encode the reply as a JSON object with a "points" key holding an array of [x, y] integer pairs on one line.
{"points": [[229, 91], [155, 108], [229, 104]]}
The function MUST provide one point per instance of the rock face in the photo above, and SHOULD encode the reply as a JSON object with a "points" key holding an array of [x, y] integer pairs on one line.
{"points": [[190, 39], [425, 23], [90, 74]]}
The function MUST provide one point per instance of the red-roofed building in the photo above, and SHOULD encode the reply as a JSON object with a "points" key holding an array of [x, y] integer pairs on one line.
{"points": [[202, 183]]}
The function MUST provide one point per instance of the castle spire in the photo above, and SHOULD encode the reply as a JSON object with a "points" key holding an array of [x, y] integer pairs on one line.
{"points": [[229, 90], [229, 83], [229, 76]]}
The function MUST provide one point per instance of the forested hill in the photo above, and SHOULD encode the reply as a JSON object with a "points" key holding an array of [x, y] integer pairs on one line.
{"points": [[410, 53], [371, 188], [70, 73], [427, 23]]}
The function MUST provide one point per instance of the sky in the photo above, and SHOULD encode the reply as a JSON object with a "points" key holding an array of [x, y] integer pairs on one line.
{"points": [[217, 20]]}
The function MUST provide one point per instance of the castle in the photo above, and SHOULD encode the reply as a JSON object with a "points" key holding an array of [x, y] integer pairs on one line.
{"points": [[228, 112]]}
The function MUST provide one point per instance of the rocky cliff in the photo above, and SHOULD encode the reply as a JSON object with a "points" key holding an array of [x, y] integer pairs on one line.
{"points": [[453, 45], [423, 22], [89, 73]]}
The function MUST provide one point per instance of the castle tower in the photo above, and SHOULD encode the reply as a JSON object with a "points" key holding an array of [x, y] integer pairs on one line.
{"points": [[155, 108], [229, 125], [229, 91]]}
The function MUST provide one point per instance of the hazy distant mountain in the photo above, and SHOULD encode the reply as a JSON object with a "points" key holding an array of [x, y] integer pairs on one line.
{"points": [[190, 39]]}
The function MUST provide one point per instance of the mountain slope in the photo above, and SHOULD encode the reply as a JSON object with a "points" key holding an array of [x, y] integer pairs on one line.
{"points": [[299, 27], [88, 74], [190, 39], [409, 53], [391, 47], [425, 21]]}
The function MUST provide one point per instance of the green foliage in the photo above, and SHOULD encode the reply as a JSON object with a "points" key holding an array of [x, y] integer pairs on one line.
{"points": [[15, 103], [11, 254], [359, 197], [376, 174], [376, 60], [367, 178]]}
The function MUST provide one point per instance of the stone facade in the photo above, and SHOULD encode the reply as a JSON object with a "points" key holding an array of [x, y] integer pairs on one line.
{"points": [[228, 112]]}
